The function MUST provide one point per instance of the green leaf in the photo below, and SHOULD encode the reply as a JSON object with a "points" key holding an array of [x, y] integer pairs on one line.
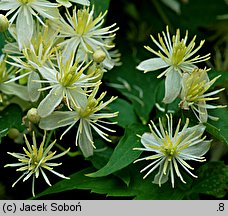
{"points": [[124, 175], [123, 154], [212, 179], [219, 129], [126, 114], [78, 180], [146, 190], [138, 188], [1, 42], [10, 117], [101, 157], [215, 132], [101, 154]]}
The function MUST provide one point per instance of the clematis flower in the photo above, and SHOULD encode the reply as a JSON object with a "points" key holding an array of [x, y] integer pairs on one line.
{"points": [[35, 160], [10, 88], [39, 52], [177, 57], [194, 96], [23, 11], [83, 32], [170, 149], [88, 118], [66, 82]]}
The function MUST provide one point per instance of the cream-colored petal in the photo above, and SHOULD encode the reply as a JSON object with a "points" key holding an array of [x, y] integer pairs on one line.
{"points": [[149, 139], [24, 27], [172, 86], [152, 64], [86, 139], [15, 89], [58, 119], [197, 150], [51, 101], [33, 87]]}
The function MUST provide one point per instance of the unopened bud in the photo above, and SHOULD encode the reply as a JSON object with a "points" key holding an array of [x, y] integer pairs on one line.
{"points": [[4, 23], [13, 133], [33, 116], [99, 56]]}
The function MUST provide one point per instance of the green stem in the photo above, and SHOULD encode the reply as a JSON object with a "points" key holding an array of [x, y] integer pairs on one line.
{"points": [[71, 154], [6, 36], [166, 108], [49, 138]]}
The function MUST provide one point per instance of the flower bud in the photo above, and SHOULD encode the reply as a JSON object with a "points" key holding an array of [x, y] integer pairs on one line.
{"points": [[99, 56], [33, 116], [4, 23], [13, 133]]}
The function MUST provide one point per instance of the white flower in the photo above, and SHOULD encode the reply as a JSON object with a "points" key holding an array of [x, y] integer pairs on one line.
{"points": [[193, 94], [10, 88], [66, 3], [35, 160], [66, 82], [171, 148], [175, 54], [83, 33], [24, 10], [88, 118], [40, 51]]}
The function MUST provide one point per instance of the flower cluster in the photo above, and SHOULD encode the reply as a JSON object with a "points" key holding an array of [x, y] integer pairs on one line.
{"points": [[54, 57], [185, 80], [53, 64], [177, 57]]}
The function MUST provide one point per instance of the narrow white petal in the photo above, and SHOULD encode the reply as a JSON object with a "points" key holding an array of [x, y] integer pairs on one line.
{"points": [[172, 86], [51, 101], [58, 174], [152, 64], [148, 139], [199, 149], [58, 119], [84, 143], [24, 26], [33, 87], [45, 177]]}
